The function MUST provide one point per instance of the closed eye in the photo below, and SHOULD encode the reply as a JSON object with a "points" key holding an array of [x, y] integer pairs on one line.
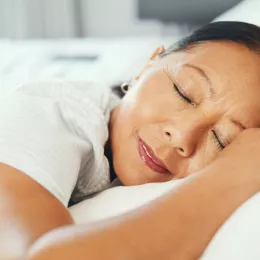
{"points": [[181, 95], [220, 145]]}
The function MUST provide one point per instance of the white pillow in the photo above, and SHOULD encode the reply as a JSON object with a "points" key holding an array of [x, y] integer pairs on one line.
{"points": [[246, 11], [118, 200], [237, 239]]}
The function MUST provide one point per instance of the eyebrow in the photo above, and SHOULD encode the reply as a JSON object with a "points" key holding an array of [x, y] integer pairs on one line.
{"points": [[211, 90], [204, 75]]}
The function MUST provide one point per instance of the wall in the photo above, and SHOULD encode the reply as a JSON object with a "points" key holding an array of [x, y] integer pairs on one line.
{"points": [[20, 19], [115, 18]]}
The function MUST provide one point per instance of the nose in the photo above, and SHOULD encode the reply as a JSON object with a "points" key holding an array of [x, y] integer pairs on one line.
{"points": [[184, 135]]}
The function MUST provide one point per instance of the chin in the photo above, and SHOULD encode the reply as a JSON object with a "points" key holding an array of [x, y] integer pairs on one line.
{"points": [[129, 179]]}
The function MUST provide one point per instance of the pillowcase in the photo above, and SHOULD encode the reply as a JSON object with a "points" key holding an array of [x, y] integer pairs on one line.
{"points": [[118, 200], [246, 11], [237, 239]]}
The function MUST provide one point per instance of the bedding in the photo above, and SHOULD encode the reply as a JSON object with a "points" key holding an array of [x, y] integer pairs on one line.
{"points": [[76, 59], [246, 11], [88, 59], [237, 239]]}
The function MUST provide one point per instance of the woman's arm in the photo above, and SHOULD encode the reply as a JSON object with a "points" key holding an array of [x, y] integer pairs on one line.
{"points": [[180, 224], [27, 211]]}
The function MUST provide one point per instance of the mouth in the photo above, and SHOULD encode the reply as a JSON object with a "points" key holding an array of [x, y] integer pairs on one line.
{"points": [[150, 159]]}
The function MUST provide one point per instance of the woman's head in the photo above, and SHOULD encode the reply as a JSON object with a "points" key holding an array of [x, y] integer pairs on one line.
{"points": [[188, 103]]}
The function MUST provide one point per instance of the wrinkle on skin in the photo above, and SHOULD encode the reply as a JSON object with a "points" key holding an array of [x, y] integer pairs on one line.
{"points": [[153, 106]]}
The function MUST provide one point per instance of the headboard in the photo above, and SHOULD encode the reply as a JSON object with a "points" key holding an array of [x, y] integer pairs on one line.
{"points": [[183, 11]]}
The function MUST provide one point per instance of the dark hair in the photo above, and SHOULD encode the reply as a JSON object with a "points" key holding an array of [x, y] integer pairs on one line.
{"points": [[242, 33]]}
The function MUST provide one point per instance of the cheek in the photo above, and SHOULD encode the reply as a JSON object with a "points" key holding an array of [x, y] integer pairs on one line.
{"points": [[206, 153], [155, 97], [153, 104]]}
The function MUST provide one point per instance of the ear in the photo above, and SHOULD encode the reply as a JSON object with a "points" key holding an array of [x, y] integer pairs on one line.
{"points": [[153, 57]]}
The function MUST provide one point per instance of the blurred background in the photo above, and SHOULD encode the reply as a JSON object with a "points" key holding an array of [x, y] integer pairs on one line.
{"points": [[22, 19], [106, 40]]}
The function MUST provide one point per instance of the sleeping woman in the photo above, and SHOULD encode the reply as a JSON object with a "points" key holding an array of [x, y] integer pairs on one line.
{"points": [[193, 112]]}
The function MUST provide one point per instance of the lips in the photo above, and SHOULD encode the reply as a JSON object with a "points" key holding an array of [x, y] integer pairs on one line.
{"points": [[150, 159]]}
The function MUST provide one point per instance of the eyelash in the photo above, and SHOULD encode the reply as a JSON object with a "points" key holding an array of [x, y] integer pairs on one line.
{"points": [[219, 144], [183, 97]]}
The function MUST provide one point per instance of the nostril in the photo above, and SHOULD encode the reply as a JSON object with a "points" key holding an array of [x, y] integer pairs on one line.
{"points": [[181, 150], [167, 134]]}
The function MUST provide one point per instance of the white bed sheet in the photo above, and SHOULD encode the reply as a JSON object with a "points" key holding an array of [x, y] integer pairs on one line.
{"points": [[118, 59]]}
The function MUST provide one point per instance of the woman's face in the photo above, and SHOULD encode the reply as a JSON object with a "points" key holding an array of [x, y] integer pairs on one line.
{"points": [[183, 110]]}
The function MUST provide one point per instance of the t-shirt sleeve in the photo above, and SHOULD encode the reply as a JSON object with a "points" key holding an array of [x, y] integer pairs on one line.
{"points": [[35, 139]]}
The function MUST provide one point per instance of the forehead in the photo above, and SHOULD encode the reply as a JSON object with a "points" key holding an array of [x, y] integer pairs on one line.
{"points": [[234, 72]]}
